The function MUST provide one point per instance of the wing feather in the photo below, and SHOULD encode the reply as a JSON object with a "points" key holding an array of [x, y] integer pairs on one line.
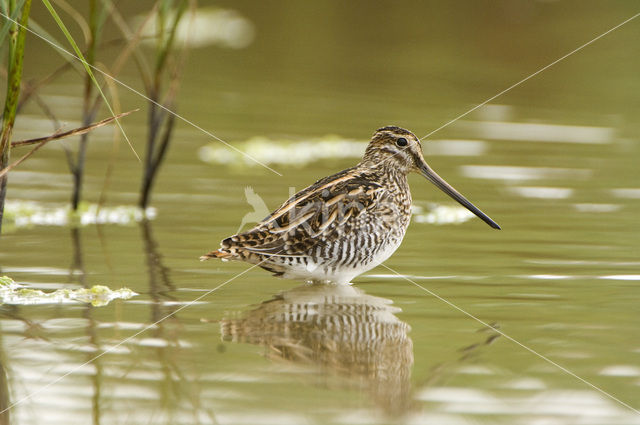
{"points": [[313, 216]]}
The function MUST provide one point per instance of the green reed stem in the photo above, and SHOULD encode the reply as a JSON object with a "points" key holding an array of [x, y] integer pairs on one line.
{"points": [[17, 35], [13, 15]]}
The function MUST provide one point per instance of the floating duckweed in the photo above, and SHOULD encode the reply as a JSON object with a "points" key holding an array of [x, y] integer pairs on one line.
{"points": [[441, 214], [30, 213], [293, 153], [98, 295]]}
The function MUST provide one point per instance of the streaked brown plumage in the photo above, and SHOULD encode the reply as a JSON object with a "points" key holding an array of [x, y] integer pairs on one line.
{"points": [[338, 328], [344, 224]]}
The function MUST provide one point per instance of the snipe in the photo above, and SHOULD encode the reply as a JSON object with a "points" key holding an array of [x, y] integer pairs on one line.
{"points": [[344, 224]]}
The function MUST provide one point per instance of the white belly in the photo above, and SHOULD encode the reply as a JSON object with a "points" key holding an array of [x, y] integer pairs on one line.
{"points": [[323, 272]]}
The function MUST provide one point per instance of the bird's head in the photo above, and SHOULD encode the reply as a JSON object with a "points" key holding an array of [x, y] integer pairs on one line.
{"points": [[397, 149]]}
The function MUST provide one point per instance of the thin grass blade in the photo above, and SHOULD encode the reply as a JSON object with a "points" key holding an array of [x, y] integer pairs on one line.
{"points": [[87, 68]]}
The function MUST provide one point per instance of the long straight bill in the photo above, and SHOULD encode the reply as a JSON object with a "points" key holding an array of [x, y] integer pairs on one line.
{"points": [[434, 178]]}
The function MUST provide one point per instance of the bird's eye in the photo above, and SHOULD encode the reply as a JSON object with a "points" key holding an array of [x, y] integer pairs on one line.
{"points": [[402, 142]]}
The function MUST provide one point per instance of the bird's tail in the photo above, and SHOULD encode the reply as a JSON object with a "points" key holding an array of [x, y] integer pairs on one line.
{"points": [[216, 254]]}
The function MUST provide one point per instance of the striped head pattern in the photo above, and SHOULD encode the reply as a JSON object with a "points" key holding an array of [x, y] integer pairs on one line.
{"points": [[396, 148]]}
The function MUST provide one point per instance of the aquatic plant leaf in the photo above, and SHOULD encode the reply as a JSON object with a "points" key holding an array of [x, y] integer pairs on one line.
{"points": [[441, 214], [293, 153], [20, 214], [98, 295]]}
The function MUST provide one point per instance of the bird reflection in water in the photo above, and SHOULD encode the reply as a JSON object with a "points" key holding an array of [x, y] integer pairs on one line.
{"points": [[340, 329]]}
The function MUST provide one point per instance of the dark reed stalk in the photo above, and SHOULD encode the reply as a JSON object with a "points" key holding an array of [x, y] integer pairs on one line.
{"points": [[17, 34], [96, 20], [160, 123]]}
